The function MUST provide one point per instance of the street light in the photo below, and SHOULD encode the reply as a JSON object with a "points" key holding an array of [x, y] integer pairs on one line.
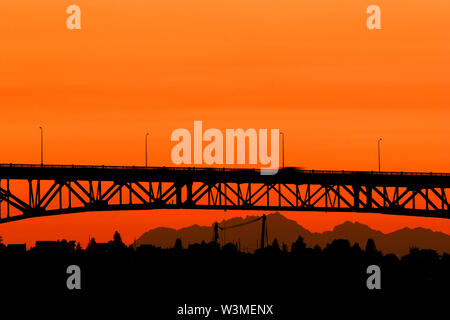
{"points": [[282, 145], [379, 155], [42, 146], [146, 136]]}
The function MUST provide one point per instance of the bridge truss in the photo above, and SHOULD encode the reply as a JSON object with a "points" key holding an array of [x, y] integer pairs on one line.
{"points": [[28, 191]]}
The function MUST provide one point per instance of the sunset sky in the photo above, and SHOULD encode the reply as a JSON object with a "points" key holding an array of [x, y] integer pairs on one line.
{"points": [[310, 68]]}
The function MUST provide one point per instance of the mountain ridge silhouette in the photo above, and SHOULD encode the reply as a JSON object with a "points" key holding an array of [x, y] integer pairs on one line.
{"points": [[287, 231]]}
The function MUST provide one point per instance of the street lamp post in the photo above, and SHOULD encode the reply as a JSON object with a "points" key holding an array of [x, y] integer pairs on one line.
{"points": [[42, 146], [282, 145], [146, 149], [379, 155]]}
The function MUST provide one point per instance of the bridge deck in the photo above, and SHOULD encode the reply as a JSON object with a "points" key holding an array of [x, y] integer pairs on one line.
{"points": [[285, 175]]}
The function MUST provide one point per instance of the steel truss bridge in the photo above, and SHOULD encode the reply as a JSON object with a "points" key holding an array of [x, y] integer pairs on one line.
{"points": [[28, 191]]}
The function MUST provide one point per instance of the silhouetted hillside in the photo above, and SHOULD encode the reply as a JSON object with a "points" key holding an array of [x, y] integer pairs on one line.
{"points": [[287, 231]]}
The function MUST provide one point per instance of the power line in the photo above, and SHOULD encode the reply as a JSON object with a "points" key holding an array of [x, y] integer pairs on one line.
{"points": [[240, 224]]}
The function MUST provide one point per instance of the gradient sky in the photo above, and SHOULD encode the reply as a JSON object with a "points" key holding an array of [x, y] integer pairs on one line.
{"points": [[310, 68]]}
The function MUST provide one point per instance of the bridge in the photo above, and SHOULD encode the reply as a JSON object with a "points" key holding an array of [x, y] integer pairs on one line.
{"points": [[28, 191]]}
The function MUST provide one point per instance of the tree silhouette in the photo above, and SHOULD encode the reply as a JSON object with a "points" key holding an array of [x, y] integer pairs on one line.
{"points": [[178, 245], [117, 238], [370, 246], [117, 241], [275, 244], [92, 243], [299, 245]]}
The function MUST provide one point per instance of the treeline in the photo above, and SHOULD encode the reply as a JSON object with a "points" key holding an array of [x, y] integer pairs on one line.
{"points": [[210, 272]]}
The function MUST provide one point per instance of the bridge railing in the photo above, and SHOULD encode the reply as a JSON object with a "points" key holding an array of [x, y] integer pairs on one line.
{"points": [[206, 169]]}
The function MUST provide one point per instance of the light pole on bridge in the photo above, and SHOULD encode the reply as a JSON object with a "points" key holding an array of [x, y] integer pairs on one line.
{"points": [[282, 145], [379, 155], [146, 148], [42, 146]]}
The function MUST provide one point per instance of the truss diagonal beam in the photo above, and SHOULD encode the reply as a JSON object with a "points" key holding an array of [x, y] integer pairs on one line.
{"points": [[54, 190]]}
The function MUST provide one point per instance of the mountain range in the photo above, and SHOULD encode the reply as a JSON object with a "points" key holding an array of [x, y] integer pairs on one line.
{"points": [[287, 231]]}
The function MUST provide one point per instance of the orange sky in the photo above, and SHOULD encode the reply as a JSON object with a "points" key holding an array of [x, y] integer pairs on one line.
{"points": [[310, 68]]}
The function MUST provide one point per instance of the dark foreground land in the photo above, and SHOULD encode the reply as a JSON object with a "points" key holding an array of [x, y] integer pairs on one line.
{"points": [[295, 280]]}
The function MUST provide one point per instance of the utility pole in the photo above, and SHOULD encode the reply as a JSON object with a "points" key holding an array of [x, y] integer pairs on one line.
{"points": [[263, 231], [216, 232]]}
